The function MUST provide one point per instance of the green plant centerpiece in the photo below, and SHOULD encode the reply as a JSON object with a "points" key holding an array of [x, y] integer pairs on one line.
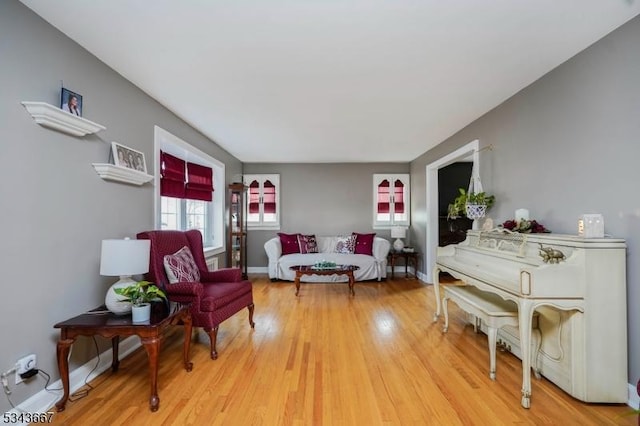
{"points": [[460, 204], [141, 292]]}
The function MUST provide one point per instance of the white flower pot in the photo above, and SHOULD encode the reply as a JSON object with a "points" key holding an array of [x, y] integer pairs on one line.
{"points": [[141, 313]]}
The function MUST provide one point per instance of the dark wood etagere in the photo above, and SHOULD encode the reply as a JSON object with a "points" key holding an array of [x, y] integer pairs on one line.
{"points": [[237, 231]]}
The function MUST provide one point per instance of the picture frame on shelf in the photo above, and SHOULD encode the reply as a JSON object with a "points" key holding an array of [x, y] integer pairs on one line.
{"points": [[129, 158], [71, 102]]}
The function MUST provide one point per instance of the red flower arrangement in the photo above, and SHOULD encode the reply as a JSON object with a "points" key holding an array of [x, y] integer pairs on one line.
{"points": [[525, 227]]}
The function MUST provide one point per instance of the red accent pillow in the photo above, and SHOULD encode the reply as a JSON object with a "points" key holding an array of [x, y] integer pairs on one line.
{"points": [[307, 243], [289, 243], [364, 243]]}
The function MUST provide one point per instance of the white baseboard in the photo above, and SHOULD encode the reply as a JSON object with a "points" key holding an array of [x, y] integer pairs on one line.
{"points": [[44, 400], [634, 399], [258, 270]]}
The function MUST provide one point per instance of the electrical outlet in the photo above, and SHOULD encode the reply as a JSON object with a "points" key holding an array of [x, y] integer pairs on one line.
{"points": [[23, 365]]}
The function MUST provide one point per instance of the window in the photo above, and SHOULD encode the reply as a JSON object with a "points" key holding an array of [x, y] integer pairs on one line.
{"points": [[176, 213], [391, 200], [263, 201], [189, 190]]}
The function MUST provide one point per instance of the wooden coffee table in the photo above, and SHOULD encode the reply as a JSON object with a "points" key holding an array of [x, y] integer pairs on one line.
{"points": [[337, 270]]}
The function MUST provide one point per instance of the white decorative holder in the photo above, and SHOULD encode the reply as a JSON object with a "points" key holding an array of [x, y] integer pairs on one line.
{"points": [[591, 226], [475, 212], [521, 214]]}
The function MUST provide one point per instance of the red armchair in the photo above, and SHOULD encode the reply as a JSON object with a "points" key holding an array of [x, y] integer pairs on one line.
{"points": [[219, 294]]}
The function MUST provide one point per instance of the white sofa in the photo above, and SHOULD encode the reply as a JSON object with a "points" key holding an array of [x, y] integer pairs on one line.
{"points": [[371, 267]]}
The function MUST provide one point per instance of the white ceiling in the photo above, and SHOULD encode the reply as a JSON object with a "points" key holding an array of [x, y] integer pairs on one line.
{"points": [[333, 81]]}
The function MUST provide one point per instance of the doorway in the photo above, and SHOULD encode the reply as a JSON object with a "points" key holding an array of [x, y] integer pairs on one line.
{"points": [[467, 152], [452, 230]]}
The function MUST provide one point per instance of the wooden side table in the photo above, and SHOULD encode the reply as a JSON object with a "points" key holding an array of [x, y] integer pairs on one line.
{"points": [[409, 257], [101, 322]]}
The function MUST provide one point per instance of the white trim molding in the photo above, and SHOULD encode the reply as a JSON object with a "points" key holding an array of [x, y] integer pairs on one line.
{"points": [[470, 149]]}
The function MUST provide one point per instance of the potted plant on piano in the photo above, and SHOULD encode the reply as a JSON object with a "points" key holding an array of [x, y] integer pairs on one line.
{"points": [[141, 294], [471, 205]]}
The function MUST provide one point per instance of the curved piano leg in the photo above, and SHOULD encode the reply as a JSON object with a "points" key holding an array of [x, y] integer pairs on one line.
{"points": [[536, 337], [436, 288], [525, 318]]}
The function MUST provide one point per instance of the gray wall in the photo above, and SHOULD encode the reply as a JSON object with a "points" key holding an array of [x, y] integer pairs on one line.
{"points": [[56, 210], [321, 199], [568, 144]]}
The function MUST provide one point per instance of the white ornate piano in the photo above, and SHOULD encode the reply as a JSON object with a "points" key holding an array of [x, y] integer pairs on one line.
{"points": [[578, 288]]}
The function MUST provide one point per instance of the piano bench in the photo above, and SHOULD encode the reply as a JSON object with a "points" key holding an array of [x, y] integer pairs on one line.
{"points": [[495, 312]]}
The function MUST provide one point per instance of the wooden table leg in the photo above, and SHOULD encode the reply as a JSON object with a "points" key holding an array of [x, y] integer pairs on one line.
{"points": [[297, 281], [62, 352], [351, 282], [186, 320], [115, 353], [393, 264], [406, 267], [152, 346]]}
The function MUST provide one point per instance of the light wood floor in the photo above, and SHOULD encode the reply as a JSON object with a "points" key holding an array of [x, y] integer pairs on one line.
{"points": [[325, 358]]}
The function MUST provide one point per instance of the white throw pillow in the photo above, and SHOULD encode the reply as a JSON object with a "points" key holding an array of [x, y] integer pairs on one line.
{"points": [[346, 245], [181, 266]]}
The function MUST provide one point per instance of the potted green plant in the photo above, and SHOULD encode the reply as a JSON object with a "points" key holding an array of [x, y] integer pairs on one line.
{"points": [[460, 206], [141, 294]]}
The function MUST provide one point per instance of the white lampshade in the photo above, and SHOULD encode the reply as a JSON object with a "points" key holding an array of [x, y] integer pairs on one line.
{"points": [[398, 232], [123, 258]]}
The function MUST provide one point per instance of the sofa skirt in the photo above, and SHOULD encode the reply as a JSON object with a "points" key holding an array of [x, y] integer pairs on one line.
{"points": [[370, 268]]}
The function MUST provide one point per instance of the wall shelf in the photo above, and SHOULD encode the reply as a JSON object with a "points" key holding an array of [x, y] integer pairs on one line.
{"points": [[121, 174], [55, 118]]}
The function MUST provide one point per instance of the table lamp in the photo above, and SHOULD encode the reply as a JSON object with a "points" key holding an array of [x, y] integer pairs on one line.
{"points": [[123, 258], [398, 232]]}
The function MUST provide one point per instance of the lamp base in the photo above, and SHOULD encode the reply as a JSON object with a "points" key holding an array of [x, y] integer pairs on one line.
{"points": [[398, 245], [116, 303]]}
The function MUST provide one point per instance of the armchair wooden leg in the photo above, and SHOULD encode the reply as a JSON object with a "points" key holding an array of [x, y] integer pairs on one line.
{"points": [[251, 323], [213, 337]]}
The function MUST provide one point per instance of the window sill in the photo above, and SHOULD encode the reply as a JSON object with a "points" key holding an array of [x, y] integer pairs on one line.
{"points": [[263, 228], [212, 251]]}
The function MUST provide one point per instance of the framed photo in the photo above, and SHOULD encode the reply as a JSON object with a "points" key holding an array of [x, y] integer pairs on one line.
{"points": [[124, 156], [71, 102]]}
